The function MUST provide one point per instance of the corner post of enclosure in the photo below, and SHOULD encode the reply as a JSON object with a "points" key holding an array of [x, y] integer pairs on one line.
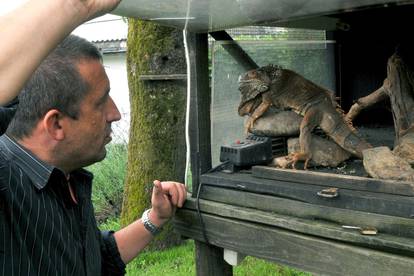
{"points": [[199, 113], [209, 258]]}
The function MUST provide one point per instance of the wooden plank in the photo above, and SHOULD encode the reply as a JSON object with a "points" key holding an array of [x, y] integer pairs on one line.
{"points": [[340, 181], [210, 260], [323, 229], [396, 226], [386, 204], [301, 251], [199, 125]]}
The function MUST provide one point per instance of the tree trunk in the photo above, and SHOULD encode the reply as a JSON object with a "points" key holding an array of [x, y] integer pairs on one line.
{"points": [[400, 90], [157, 142]]}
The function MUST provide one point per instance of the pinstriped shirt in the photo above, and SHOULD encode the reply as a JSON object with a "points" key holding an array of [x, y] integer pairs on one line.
{"points": [[42, 231]]}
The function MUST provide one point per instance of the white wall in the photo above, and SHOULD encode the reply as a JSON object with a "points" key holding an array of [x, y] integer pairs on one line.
{"points": [[115, 66]]}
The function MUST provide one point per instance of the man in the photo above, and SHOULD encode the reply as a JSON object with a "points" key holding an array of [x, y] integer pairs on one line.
{"points": [[62, 124]]}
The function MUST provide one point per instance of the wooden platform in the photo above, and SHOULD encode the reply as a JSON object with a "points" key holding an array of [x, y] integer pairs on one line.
{"points": [[278, 216], [314, 246]]}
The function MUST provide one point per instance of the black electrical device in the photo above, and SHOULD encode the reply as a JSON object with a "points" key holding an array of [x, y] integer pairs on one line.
{"points": [[254, 150]]}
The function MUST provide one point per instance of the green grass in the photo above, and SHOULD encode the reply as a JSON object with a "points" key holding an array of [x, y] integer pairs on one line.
{"points": [[179, 261], [172, 262], [111, 224]]}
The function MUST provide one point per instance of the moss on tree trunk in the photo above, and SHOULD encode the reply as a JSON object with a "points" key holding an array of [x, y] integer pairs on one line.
{"points": [[156, 141]]}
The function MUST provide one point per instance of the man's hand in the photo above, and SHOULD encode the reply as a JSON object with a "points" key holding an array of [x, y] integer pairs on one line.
{"points": [[166, 197], [95, 8]]}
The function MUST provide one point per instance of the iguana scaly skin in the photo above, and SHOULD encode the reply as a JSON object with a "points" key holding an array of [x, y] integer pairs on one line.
{"points": [[284, 89]]}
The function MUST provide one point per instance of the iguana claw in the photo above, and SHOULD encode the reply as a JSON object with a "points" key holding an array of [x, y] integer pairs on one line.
{"points": [[249, 125], [294, 157]]}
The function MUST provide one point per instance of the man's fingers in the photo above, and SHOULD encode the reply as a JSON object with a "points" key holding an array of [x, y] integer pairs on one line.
{"points": [[166, 189], [183, 194], [157, 186], [175, 191]]}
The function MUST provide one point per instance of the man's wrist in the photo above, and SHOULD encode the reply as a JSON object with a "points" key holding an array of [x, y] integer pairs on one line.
{"points": [[89, 9], [151, 223], [79, 10]]}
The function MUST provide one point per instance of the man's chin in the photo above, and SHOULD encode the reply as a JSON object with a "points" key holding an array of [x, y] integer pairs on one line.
{"points": [[102, 155], [99, 157]]}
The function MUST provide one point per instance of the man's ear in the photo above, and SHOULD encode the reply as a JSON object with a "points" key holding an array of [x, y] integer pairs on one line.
{"points": [[52, 123]]}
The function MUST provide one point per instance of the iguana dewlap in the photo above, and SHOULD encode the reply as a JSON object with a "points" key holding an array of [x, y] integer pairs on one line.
{"points": [[284, 89]]}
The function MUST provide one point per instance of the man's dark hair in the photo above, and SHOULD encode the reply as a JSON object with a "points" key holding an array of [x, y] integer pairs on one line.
{"points": [[56, 84]]}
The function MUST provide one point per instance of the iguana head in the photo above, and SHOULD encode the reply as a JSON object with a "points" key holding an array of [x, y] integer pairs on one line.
{"points": [[255, 82]]}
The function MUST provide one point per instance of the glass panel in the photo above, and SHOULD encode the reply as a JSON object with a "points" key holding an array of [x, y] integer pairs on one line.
{"points": [[312, 59], [210, 15]]}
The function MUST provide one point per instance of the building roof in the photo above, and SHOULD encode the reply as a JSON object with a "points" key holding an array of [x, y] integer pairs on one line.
{"points": [[106, 28]]}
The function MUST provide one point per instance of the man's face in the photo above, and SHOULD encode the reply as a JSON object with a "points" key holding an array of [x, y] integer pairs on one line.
{"points": [[87, 135]]}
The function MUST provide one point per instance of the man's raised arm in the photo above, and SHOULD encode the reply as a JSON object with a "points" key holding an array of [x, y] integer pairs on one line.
{"points": [[31, 31]]}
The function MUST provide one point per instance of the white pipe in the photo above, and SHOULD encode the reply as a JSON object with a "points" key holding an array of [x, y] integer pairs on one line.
{"points": [[187, 116]]}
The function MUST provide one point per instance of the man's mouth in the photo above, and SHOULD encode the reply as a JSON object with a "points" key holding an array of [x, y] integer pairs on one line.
{"points": [[108, 139], [242, 79], [108, 136]]}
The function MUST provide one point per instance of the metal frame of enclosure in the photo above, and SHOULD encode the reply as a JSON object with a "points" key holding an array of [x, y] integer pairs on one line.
{"points": [[278, 215]]}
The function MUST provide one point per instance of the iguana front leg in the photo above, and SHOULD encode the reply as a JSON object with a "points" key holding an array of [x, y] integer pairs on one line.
{"points": [[259, 111]]}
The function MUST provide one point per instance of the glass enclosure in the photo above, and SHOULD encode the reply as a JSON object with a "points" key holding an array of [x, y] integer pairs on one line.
{"points": [[312, 59], [211, 15]]}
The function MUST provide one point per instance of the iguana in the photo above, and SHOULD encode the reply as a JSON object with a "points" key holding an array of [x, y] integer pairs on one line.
{"points": [[284, 89]]}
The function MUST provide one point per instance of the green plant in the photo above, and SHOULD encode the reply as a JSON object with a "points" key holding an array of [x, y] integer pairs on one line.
{"points": [[108, 183], [110, 224]]}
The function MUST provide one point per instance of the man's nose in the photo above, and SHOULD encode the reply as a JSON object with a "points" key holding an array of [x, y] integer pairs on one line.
{"points": [[113, 114]]}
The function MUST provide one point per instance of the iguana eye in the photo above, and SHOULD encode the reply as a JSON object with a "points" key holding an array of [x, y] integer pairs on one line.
{"points": [[262, 88], [252, 74]]}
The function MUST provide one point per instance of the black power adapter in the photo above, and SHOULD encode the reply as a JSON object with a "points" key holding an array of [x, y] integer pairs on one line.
{"points": [[254, 150]]}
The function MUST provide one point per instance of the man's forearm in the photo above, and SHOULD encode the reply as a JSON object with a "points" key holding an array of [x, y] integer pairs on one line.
{"points": [[134, 237], [29, 33]]}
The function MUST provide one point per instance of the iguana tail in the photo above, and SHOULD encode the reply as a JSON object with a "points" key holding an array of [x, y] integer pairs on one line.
{"points": [[344, 134], [339, 109], [346, 120]]}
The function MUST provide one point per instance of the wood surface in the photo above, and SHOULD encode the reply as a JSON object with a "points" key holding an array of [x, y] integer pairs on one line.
{"points": [[199, 124], [316, 227], [305, 252], [210, 260], [379, 203], [340, 181], [397, 226]]}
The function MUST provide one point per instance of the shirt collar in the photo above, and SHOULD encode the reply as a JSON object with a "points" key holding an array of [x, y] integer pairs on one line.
{"points": [[37, 170]]}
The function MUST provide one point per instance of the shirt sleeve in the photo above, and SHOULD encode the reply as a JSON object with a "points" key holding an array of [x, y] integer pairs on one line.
{"points": [[112, 263]]}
